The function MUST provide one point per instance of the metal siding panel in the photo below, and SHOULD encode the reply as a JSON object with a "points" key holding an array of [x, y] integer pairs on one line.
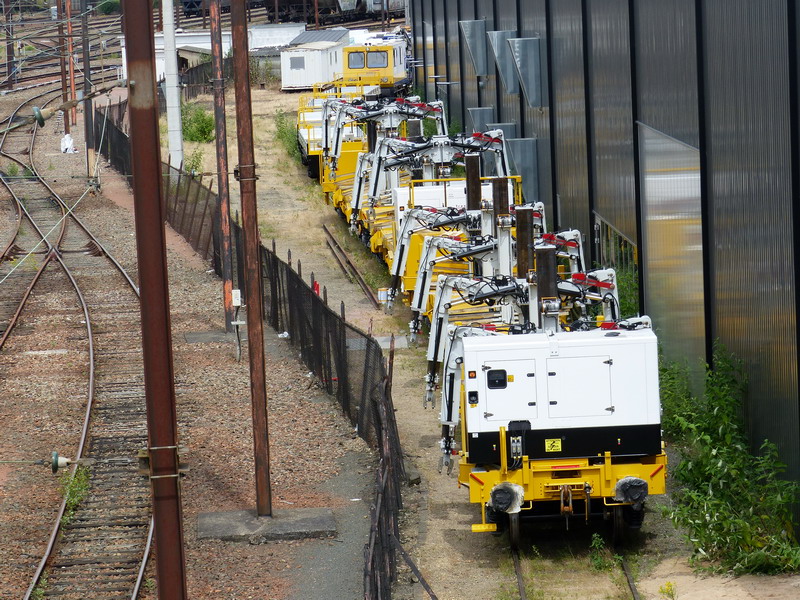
{"points": [[440, 44], [418, 33], [612, 115], [470, 81], [536, 121], [507, 19], [488, 85], [429, 25], [666, 67], [672, 220], [455, 91], [570, 116], [748, 128]]}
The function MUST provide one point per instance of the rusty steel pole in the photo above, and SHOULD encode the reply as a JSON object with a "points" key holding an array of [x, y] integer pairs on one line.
{"points": [[252, 264], [88, 104], [71, 58], [223, 193], [62, 61], [156, 336], [10, 73]]}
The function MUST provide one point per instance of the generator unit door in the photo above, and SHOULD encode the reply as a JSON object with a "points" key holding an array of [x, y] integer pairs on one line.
{"points": [[579, 387], [510, 390]]}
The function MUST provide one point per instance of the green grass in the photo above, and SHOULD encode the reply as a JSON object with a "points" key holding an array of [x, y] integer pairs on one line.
{"points": [[74, 488]]}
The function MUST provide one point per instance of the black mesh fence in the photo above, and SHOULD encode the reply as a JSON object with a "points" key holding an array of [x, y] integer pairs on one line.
{"points": [[348, 362]]}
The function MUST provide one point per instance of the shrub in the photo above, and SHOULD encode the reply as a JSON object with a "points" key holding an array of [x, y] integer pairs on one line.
{"points": [[107, 7], [733, 503], [287, 133], [198, 124], [194, 162]]}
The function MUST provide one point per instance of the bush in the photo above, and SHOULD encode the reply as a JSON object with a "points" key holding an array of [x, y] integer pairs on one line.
{"points": [[733, 504], [107, 7], [198, 124], [287, 133]]}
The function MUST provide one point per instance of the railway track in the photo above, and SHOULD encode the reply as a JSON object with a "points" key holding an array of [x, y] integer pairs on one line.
{"points": [[348, 267], [101, 547]]}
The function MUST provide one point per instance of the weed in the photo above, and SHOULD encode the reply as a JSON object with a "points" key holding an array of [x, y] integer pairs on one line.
{"points": [[12, 170], [198, 123], [668, 590], [194, 163], [150, 584], [600, 556], [74, 487], [287, 133], [40, 589], [734, 505]]}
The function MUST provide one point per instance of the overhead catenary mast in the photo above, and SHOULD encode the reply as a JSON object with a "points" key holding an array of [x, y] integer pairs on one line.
{"points": [[172, 88]]}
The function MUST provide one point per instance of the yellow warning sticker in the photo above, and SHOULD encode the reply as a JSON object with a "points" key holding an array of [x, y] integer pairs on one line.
{"points": [[553, 445], [510, 379]]}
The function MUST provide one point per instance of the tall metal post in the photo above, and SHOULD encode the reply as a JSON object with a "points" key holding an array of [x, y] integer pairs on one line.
{"points": [[156, 334], [71, 59], [88, 120], [223, 195], [252, 264], [62, 61], [172, 93], [11, 76]]}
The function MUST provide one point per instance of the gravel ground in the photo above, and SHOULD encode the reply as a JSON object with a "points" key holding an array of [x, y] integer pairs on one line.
{"points": [[316, 459]]}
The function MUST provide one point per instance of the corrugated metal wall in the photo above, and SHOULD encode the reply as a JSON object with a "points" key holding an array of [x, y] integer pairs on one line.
{"points": [[509, 104], [666, 67], [469, 82], [533, 24], [611, 114], [569, 107], [748, 128], [454, 90], [708, 84]]}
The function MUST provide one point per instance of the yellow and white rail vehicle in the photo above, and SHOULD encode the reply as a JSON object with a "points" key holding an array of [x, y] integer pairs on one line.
{"points": [[554, 419]]}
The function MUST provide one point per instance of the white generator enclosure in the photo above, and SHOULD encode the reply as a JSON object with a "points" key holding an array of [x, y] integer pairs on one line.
{"points": [[571, 394], [307, 64]]}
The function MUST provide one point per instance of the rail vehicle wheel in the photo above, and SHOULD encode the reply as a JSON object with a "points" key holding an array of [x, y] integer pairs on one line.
{"points": [[513, 530], [617, 525]]}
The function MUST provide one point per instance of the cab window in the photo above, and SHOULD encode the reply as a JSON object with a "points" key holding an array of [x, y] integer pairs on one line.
{"points": [[355, 60], [377, 59]]}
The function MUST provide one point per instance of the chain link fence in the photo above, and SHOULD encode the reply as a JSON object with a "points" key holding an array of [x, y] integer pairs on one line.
{"points": [[349, 363]]}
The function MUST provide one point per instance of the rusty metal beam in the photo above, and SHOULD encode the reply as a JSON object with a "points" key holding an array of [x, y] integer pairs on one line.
{"points": [[252, 262], [223, 191], [156, 333]]}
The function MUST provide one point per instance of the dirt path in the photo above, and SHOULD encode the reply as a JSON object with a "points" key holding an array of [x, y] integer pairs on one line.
{"points": [[436, 530]]}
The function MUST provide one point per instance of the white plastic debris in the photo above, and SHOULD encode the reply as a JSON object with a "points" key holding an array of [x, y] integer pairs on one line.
{"points": [[67, 145], [284, 335]]}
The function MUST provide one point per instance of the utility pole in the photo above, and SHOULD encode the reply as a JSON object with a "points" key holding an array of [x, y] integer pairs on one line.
{"points": [[316, 14], [159, 373], [223, 195], [71, 58], [11, 76], [252, 264], [276, 12], [172, 91], [88, 104], [62, 61]]}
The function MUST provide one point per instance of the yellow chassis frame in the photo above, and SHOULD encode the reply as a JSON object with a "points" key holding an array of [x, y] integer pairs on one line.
{"points": [[545, 480]]}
